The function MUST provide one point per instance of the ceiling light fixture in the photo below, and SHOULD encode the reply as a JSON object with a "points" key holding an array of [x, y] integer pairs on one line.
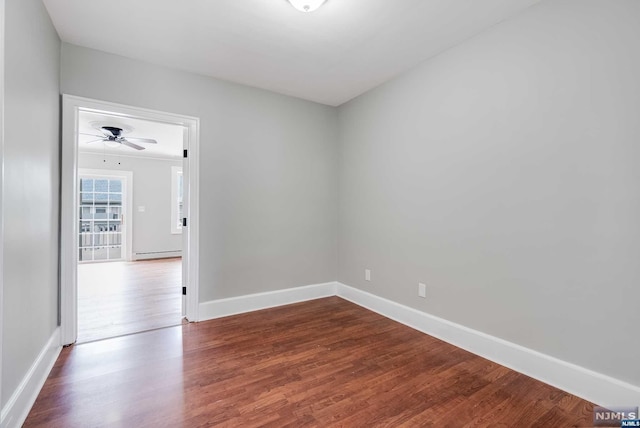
{"points": [[306, 5]]}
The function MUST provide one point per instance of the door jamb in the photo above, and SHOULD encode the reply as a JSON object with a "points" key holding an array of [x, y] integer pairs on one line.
{"points": [[71, 106]]}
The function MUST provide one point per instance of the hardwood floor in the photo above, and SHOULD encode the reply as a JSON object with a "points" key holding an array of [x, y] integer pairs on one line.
{"points": [[321, 363], [118, 298]]}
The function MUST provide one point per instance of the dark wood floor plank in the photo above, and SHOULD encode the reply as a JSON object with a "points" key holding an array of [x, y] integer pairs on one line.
{"points": [[325, 362]]}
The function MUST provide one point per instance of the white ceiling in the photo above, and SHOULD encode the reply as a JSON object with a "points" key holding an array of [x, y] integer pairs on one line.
{"points": [[169, 137], [330, 56]]}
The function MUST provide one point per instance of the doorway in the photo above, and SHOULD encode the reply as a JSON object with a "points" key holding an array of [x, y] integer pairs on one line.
{"points": [[98, 218]]}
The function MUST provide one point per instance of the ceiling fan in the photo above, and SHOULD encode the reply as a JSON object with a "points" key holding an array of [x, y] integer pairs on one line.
{"points": [[113, 134]]}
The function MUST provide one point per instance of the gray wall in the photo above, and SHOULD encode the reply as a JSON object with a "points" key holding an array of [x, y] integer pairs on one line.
{"points": [[504, 174], [151, 189], [31, 130], [268, 170]]}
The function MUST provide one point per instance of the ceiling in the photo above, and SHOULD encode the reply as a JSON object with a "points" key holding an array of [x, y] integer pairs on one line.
{"points": [[169, 137], [329, 56]]}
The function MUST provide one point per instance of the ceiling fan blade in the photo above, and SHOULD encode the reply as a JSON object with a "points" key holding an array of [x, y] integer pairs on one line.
{"points": [[92, 135], [95, 141], [142, 140], [130, 144]]}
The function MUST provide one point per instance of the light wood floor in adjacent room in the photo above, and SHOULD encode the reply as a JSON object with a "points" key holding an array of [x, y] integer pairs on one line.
{"points": [[321, 363], [118, 298]]}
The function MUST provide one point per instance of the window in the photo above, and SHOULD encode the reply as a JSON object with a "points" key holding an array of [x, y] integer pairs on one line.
{"points": [[100, 233], [176, 199]]}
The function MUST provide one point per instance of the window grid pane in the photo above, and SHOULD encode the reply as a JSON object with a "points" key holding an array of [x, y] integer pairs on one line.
{"points": [[100, 212]]}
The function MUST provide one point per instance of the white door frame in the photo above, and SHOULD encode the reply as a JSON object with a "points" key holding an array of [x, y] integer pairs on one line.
{"points": [[127, 177], [1, 177], [71, 106]]}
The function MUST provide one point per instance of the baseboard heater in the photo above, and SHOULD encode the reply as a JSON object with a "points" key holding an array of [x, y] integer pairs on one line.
{"points": [[157, 254]]}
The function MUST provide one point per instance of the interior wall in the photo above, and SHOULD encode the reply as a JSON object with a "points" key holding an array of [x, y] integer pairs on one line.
{"points": [[152, 237], [268, 170], [504, 174], [30, 189]]}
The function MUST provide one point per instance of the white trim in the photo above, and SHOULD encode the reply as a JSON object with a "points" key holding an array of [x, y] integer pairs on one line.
{"points": [[68, 224], [1, 181], [17, 408], [128, 192], [191, 207], [254, 302], [71, 105], [590, 385]]}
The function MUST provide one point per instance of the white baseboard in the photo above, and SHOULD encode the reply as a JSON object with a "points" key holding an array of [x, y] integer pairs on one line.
{"points": [[254, 302], [17, 408], [592, 386]]}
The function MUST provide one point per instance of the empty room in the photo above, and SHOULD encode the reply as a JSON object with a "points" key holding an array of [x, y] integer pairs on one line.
{"points": [[374, 213]]}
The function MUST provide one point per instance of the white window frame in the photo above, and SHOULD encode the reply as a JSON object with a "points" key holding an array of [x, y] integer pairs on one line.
{"points": [[176, 222], [127, 202]]}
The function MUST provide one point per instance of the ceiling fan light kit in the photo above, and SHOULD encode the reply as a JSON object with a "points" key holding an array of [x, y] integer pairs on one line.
{"points": [[306, 5]]}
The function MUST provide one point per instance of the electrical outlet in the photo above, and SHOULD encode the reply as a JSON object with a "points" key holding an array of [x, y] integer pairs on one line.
{"points": [[422, 290], [367, 274]]}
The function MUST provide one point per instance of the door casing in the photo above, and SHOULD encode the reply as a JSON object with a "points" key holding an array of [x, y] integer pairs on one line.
{"points": [[71, 106], [1, 175]]}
